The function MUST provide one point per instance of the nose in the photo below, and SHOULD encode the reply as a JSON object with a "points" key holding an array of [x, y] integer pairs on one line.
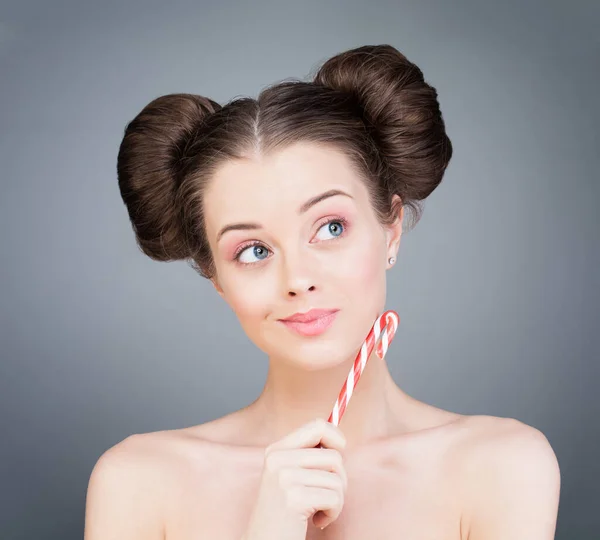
{"points": [[299, 290], [298, 274]]}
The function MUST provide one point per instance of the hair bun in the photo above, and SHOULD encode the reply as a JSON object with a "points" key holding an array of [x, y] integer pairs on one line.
{"points": [[149, 169], [401, 112]]}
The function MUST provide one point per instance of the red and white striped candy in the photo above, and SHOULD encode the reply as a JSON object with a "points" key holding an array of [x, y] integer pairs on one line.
{"points": [[385, 327]]}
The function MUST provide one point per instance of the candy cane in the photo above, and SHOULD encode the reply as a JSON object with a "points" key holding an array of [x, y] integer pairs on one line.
{"points": [[385, 327]]}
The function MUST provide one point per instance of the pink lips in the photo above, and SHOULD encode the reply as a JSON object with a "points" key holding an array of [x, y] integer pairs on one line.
{"points": [[312, 323]]}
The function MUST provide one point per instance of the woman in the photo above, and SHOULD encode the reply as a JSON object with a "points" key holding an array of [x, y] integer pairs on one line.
{"points": [[292, 205]]}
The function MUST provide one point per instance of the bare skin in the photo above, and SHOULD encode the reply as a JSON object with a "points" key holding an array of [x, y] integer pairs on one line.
{"points": [[201, 481], [414, 471], [404, 486]]}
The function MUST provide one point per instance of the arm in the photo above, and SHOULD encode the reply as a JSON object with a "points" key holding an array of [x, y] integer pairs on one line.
{"points": [[514, 485], [121, 502]]}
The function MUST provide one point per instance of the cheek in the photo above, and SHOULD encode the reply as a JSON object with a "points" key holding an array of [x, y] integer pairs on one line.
{"points": [[252, 303], [364, 280], [365, 264], [247, 301], [250, 295]]}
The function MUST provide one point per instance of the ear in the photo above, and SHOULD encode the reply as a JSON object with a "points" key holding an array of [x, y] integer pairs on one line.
{"points": [[394, 231]]}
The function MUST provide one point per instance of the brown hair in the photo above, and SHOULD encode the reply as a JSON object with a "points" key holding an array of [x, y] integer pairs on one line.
{"points": [[370, 103]]}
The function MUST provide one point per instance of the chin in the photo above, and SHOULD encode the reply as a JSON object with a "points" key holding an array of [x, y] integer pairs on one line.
{"points": [[317, 356]]}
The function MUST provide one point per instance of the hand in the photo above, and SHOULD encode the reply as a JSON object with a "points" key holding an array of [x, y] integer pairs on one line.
{"points": [[300, 482]]}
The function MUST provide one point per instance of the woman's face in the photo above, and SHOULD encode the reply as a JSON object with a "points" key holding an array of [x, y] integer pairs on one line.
{"points": [[292, 257]]}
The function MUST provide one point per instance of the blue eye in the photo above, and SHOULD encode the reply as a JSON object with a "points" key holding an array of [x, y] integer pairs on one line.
{"points": [[335, 226], [257, 250]]}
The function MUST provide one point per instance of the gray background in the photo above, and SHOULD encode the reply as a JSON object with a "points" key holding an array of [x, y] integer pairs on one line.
{"points": [[498, 286]]}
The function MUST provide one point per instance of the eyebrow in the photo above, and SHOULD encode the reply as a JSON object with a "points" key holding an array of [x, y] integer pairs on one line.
{"points": [[304, 208]]}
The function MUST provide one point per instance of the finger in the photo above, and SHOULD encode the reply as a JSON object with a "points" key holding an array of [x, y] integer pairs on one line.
{"points": [[313, 478], [308, 458], [317, 432], [328, 505], [325, 459], [328, 501]]}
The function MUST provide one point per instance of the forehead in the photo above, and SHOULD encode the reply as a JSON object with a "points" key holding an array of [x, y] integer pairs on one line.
{"points": [[285, 178]]}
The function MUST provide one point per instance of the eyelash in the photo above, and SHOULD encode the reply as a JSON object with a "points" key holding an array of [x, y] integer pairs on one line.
{"points": [[337, 219]]}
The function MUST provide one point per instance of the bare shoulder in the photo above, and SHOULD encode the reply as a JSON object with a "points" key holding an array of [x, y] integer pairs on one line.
{"points": [[139, 456], [129, 485], [513, 480], [121, 495], [488, 439]]}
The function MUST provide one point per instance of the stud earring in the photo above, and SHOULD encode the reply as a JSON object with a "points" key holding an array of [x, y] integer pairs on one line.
{"points": [[392, 260]]}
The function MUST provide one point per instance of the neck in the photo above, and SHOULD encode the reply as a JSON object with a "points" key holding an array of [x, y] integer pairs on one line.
{"points": [[293, 397]]}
